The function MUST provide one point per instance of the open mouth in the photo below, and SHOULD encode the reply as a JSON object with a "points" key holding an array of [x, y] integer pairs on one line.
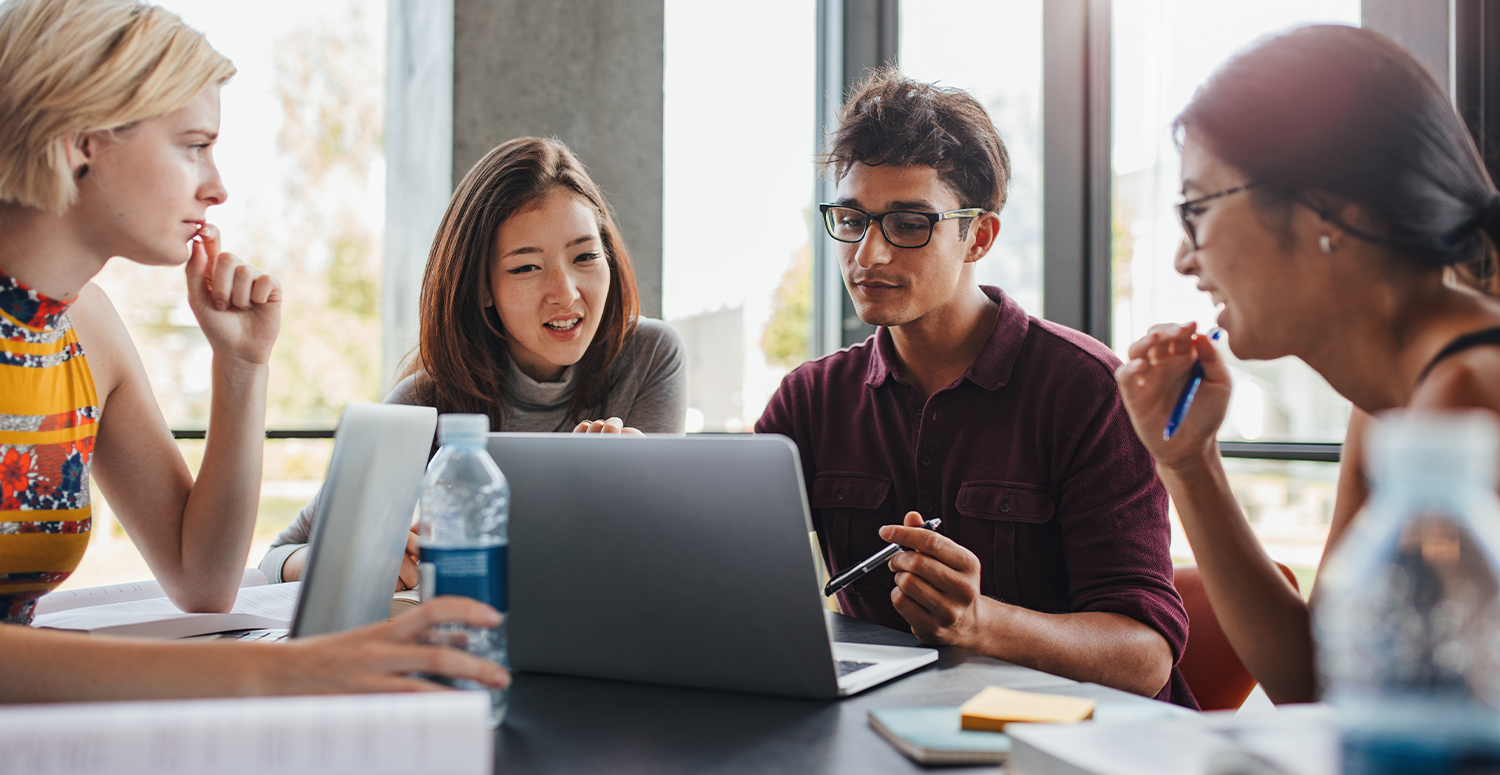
{"points": [[563, 325]]}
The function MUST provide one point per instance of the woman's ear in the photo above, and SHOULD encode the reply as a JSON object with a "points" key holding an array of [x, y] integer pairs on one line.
{"points": [[80, 148]]}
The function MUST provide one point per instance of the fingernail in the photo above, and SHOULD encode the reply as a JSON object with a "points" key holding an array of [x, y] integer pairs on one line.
{"points": [[220, 306]]}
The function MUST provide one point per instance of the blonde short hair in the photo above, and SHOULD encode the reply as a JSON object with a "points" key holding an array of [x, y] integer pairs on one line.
{"points": [[72, 66]]}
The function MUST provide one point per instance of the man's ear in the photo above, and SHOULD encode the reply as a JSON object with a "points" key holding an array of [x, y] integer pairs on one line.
{"points": [[983, 231], [81, 148]]}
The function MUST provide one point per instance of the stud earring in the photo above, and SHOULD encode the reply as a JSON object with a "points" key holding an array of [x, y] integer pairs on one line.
{"points": [[84, 170], [1326, 244]]}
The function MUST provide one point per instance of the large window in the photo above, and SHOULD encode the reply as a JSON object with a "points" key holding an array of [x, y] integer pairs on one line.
{"points": [[1163, 51], [300, 153], [1007, 79], [738, 187]]}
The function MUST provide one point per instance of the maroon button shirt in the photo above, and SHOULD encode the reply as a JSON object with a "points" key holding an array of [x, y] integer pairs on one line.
{"points": [[1029, 459]]}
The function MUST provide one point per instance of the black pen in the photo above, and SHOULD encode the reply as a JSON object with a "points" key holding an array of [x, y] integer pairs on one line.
{"points": [[858, 572]]}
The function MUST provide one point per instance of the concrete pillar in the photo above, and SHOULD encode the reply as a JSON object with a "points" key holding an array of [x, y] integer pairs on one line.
{"points": [[586, 71]]}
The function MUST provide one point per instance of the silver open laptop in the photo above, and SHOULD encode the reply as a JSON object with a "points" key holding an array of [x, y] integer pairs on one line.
{"points": [[363, 514], [682, 561]]}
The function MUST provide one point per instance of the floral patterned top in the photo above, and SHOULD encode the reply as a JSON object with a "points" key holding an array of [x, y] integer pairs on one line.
{"points": [[49, 412]]}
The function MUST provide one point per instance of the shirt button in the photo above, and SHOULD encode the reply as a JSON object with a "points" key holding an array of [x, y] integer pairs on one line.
{"points": [[838, 496], [926, 460], [1004, 507]]}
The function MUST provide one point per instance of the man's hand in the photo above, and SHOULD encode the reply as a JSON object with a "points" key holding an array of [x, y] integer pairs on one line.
{"points": [[937, 585]]}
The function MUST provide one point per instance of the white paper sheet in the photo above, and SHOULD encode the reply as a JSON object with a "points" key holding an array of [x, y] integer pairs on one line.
{"points": [[268, 605], [120, 593], [400, 734]]}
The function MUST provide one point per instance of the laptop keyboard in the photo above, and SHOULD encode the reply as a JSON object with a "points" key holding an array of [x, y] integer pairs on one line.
{"points": [[847, 666], [269, 636]]}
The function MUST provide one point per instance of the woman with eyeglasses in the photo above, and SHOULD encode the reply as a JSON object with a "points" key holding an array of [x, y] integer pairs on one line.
{"points": [[529, 315], [109, 112], [1332, 194]]}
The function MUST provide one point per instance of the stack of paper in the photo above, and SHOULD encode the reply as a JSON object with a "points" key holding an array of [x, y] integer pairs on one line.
{"points": [[400, 734]]}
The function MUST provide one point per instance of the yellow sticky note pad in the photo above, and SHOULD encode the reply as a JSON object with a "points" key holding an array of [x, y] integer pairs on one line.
{"points": [[993, 708]]}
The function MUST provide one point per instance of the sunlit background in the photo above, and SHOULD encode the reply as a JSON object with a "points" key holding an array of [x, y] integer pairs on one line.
{"points": [[302, 156]]}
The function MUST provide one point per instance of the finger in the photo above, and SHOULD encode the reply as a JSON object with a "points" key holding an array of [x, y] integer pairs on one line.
{"points": [[632, 432], [211, 238], [445, 609], [923, 625], [221, 278], [413, 543], [244, 282], [613, 425], [197, 267], [1214, 367], [941, 609], [933, 544], [262, 288], [912, 519], [408, 575], [582, 427], [444, 661], [952, 584]]}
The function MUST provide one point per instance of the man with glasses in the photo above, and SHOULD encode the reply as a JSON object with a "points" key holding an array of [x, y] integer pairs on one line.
{"points": [[1053, 546]]}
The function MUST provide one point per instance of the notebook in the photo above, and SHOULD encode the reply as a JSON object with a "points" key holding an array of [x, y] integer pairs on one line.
{"points": [[933, 736]]}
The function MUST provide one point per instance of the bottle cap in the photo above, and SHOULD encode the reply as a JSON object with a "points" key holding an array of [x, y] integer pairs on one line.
{"points": [[1455, 446], [462, 427]]}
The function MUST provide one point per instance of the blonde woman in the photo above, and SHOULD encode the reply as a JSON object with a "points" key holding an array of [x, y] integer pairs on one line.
{"points": [[109, 110]]}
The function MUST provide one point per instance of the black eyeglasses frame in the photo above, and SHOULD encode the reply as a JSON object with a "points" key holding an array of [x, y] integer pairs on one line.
{"points": [[932, 221]]}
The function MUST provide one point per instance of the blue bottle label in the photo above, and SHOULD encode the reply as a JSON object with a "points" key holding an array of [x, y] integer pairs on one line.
{"points": [[477, 573]]}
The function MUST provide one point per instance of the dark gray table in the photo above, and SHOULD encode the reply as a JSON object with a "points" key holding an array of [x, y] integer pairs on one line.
{"points": [[558, 724]]}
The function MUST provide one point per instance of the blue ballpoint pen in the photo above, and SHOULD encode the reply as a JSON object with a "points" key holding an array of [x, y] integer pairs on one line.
{"points": [[1189, 391]]}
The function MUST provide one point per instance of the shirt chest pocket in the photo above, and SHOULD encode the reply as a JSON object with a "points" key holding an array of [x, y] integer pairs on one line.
{"points": [[835, 490], [852, 507], [1006, 502]]}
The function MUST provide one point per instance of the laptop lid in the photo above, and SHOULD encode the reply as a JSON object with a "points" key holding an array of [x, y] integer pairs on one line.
{"points": [[364, 513], [682, 561]]}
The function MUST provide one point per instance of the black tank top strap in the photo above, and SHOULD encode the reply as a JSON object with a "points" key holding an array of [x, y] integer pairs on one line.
{"points": [[1482, 338]]}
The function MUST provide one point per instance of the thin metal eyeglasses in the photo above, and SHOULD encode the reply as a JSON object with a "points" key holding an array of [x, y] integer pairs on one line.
{"points": [[1186, 210], [902, 228]]}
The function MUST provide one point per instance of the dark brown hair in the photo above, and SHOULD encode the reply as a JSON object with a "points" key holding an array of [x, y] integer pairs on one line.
{"points": [[1330, 115], [891, 119], [462, 346]]}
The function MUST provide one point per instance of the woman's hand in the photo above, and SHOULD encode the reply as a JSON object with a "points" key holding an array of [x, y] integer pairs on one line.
{"points": [[1153, 379], [237, 306], [612, 425], [385, 657], [408, 576]]}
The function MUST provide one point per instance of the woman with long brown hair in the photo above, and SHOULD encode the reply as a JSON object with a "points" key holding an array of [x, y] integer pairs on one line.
{"points": [[529, 315]]}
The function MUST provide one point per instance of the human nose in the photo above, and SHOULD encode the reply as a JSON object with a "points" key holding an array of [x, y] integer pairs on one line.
{"points": [[873, 249], [562, 288], [1186, 259], [213, 190]]}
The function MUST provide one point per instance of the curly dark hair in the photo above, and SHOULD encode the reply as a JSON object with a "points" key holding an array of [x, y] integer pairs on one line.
{"points": [[891, 119]]}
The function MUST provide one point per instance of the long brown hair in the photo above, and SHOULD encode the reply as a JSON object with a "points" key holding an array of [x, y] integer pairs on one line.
{"points": [[462, 345]]}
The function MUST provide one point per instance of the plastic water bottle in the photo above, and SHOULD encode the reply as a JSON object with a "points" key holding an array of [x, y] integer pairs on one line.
{"points": [[463, 541], [1408, 613]]}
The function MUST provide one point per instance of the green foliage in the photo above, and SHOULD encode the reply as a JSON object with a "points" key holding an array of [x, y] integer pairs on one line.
{"points": [[787, 340], [351, 284]]}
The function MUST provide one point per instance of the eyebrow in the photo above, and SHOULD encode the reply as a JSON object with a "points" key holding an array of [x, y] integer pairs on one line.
{"points": [[529, 249], [915, 204], [1189, 183], [204, 133]]}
